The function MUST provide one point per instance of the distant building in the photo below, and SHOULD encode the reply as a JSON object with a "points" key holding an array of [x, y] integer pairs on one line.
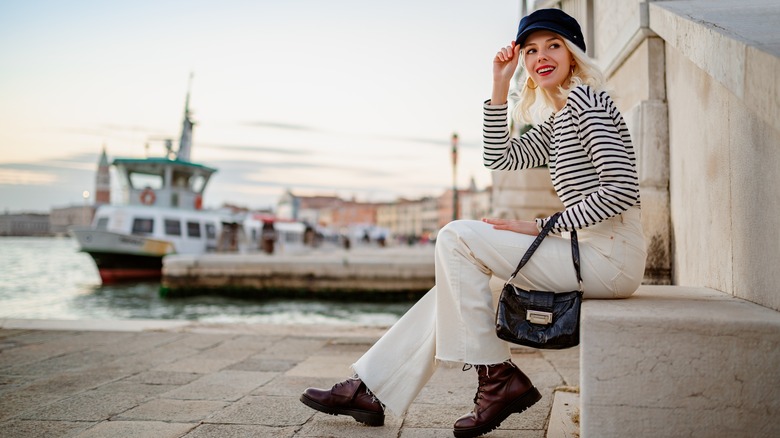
{"points": [[476, 204], [103, 181], [307, 209], [65, 217], [62, 218], [24, 224], [408, 218]]}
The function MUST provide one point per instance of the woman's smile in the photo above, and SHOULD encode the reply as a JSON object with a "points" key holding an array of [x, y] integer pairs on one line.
{"points": [[547, 60]]}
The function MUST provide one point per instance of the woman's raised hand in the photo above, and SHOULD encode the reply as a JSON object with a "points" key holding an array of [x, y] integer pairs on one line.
{"points": [[504, 66], [515, 225]]}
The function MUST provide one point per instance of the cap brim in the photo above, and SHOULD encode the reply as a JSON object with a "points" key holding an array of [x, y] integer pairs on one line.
{"points": [[538, 26]]}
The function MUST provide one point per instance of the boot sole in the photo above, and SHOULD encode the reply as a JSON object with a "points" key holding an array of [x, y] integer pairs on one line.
{"points": [[366, 417], [520, 404]]}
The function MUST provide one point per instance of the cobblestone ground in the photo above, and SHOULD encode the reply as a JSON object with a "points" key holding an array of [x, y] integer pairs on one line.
{"points": [[225, 381]]}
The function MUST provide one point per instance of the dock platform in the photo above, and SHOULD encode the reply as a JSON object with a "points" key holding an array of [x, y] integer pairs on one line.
{"points": [[375, 274]]}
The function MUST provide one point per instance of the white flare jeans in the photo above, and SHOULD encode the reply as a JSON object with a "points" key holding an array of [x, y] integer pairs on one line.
{"points": [[455, 321]]}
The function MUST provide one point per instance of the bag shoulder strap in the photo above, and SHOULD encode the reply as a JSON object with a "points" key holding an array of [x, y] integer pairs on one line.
{"points": [[575, 249]]}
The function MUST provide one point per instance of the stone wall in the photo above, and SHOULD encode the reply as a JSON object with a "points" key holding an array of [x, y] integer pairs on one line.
{"points": [[724, 135]]}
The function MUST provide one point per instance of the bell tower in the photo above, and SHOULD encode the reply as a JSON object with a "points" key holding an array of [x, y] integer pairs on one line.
{"points": [[103, 181]]}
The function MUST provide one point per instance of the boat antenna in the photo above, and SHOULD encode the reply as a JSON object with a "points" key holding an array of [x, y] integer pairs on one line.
{"points": [[185, 141]]}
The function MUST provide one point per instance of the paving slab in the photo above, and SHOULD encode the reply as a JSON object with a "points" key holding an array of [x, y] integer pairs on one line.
{"points": [[227, 385], [38, 428], [176, 411], [136, 429], [221, 380], [266, 411], [241, 431], [87, 406]]}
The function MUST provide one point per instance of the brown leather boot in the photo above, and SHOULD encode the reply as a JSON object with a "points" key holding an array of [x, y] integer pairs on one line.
{"points": [[350, 397], [503, 390]]}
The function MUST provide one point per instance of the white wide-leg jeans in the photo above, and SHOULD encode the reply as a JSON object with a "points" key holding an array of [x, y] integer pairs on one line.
{"points": [[455, 320]]}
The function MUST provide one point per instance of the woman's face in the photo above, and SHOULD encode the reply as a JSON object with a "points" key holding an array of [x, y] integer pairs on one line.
{"points": [[547, 60]]}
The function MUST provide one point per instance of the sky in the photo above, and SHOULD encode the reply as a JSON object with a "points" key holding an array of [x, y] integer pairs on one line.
{"points": [[355, 98]]}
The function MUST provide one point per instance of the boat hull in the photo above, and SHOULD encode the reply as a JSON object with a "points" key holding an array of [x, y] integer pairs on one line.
{"points": [[118, 268], [121, 257]]}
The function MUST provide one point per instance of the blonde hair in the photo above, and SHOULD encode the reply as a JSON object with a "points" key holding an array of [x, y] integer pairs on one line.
{"points": [[535, 104]]}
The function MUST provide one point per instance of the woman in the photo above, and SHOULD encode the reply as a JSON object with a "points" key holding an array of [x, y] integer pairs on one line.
{"points": [[586, 145]]}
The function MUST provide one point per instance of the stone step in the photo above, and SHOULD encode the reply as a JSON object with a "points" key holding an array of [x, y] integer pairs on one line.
{"points": [[679, 361]]}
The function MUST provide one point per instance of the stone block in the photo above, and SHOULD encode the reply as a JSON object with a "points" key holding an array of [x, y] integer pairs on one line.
{"points": [[322, 425], [293, 386], [137, 429], [226, 385], [176, 411], [566, 363], [164, 378], [447, 433], [294, 348], [240, 431], [65, 384], [264, 410], [657, 228], [334, 366], [700, 175], [36, 429], [86, 406], [564, 416], [679, 361], [762, 85], [14, 403], [196, 364], [203, 341], [648, 124], [755, 214], [703, 42]]}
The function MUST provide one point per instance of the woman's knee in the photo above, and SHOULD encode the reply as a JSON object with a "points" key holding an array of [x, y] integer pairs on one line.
{"points": [[452, 231]]}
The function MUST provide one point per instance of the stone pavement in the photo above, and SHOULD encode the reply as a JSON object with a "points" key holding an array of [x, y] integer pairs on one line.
{"points": [[157, 379]]}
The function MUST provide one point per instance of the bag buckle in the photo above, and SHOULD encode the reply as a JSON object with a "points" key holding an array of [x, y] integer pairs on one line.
{"points": [[538, 317]]}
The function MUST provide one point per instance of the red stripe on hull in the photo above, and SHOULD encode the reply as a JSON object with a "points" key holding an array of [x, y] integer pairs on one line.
{"points": [[119, 275]]}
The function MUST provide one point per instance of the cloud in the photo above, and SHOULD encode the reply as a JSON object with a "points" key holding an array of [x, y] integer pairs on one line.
{"points": [[444, 142], [281, 125], [252, 148], [17, 177]]}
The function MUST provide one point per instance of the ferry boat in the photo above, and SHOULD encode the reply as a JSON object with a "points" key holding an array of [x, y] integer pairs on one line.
{"points": [[161, 213]]}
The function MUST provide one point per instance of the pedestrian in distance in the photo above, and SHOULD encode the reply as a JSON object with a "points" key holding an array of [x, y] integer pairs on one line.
{"points": [[582, 137]]}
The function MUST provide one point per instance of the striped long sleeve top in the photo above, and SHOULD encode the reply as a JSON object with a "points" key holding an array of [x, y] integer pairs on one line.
{"points": [[587, 148]]}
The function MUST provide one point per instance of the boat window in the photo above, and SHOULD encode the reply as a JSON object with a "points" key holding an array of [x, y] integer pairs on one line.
{"points": [[198, 182], [102, 223], [193, 229], [173, 227], [143, 225], [211, 231], [145, 180]]}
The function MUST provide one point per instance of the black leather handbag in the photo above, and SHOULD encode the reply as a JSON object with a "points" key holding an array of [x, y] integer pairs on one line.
{"points": [[541, 319]]}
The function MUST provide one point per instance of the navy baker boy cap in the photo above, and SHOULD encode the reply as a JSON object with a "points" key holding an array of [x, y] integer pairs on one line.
{"points": [[554, 20]]}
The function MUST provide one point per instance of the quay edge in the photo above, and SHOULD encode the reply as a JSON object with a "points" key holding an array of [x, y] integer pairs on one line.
{"points": [[393, 274]]}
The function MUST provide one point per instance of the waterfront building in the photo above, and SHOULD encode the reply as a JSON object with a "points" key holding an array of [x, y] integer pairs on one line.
{"points": [[62, 218], [475, 204], [24, 224], [307, 209]]}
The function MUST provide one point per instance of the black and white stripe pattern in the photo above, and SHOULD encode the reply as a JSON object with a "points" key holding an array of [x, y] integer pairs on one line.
{"points": [[588, 149]]}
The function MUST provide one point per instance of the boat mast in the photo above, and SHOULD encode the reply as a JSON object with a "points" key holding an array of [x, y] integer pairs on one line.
{"points": [[185, 141]]}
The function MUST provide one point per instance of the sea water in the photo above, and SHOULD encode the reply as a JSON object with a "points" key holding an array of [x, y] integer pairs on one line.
{"points": [[48, 278]]}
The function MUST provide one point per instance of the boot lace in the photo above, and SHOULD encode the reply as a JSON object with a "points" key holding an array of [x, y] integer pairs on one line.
{"points": [[481, 381]]}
